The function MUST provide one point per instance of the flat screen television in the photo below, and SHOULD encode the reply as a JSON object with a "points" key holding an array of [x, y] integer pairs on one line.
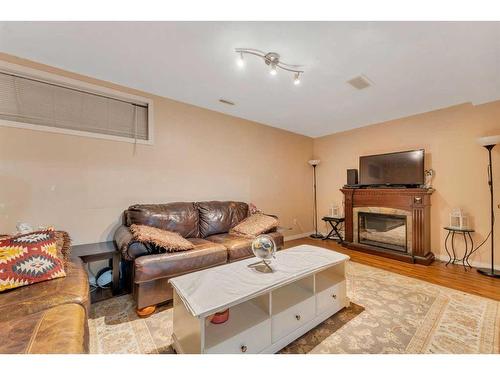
{"points": [[397, 168]]}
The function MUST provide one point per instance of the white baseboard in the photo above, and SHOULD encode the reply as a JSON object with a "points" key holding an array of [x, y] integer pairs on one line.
{"points": [[443, 258], [297, 236], [474, 264]]}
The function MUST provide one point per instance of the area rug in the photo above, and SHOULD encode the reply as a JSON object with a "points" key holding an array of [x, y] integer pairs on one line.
{"points": [[390, 313]]}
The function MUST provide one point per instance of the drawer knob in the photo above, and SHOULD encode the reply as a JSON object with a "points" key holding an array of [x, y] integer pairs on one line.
{"points": [[297, 317], [334, 296], [243, 348]]}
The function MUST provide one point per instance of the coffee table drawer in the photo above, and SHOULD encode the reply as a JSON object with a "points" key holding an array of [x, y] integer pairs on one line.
{"points": [[292, 318], [250, 341], [332, 298]]}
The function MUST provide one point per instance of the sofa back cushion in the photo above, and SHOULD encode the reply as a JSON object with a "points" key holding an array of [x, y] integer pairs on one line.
{"points": [[219, 217], [179, 217]]}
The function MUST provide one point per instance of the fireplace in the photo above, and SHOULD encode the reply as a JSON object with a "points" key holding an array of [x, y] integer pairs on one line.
{"points": [[394, 222], [382, 230]]}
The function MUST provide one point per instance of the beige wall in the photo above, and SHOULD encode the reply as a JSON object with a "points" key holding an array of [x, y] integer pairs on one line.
{"points": [[82, 184], [449, 139]]}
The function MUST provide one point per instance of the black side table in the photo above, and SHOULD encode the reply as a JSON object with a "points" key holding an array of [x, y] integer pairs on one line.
{"points": [[466, 234], [101, 251], [335, 223]]}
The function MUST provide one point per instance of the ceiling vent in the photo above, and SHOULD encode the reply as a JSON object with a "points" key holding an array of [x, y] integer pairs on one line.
{"points": [[360, 82], [224, 101]]}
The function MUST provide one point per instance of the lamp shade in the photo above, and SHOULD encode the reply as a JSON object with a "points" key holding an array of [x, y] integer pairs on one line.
{"points": [[489, 141], [313, 162]]}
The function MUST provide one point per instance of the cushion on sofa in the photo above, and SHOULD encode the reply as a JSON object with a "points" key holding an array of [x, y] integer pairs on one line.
{"points": [[74, 288], [205, 254], [28, 259], [61, 329], [255, 224], [178, 217], [240, 247], [170, 241], [219, 217]]}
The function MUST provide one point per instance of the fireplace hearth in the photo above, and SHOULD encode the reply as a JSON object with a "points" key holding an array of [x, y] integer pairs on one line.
{"points": [[394, 223]]}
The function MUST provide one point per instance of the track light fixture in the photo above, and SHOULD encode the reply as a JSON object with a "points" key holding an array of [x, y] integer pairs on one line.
{"points": [[273, 60]]}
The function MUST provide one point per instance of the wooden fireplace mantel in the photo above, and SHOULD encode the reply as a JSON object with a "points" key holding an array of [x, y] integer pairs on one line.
{"points": [[415, 200]]}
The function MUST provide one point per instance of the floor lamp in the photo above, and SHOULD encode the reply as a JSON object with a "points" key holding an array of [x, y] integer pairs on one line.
{"points": [[489, 143], [314, 163]]}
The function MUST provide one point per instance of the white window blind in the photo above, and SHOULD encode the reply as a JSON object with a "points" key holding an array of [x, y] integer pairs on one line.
{"points": [[31, 101]]}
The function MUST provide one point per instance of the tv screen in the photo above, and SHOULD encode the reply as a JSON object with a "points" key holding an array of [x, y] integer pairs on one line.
{"points": [[398, 168]]}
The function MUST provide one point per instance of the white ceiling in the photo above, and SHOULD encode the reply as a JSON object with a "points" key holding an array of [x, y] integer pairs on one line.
{"points": [[415, 66]]}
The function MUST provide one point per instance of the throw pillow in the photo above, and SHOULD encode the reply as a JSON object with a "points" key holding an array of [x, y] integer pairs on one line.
{"points": [[170, 241], [28, 259], [254, 225], [63, 242]]}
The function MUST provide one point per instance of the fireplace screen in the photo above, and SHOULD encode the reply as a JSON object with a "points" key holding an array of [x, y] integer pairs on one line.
{"points": [[381, 230]]}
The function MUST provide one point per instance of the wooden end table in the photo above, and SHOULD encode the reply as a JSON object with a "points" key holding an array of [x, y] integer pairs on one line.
{"points": [[95, 252]]}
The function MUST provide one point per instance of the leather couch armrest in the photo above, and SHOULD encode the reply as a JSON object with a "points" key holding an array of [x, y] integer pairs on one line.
{"points": [[129, 248]]}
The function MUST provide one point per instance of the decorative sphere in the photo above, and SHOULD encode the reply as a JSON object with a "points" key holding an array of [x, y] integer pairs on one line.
{"points": [[263, 247]]}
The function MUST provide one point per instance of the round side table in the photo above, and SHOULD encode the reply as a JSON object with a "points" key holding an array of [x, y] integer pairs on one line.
{"points": [[466, 233]]}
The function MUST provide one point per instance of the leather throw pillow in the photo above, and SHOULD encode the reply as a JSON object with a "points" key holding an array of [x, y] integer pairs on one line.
{"points": [[170, 241], [254, 225], [28, 259]]}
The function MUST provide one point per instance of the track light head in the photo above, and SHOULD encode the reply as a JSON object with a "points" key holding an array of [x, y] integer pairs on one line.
{"points": [[296, 80], [240, 61], [273, 70]]}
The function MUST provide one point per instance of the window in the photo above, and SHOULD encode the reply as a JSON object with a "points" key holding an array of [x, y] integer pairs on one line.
{"points": [[43, 101]]}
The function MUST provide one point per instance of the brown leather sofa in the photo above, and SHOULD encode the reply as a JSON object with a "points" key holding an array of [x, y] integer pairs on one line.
{"points": [[205, 224], [47, 317]]}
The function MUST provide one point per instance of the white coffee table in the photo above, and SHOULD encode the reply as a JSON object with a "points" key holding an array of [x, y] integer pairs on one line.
{"points": [[267, 311]]}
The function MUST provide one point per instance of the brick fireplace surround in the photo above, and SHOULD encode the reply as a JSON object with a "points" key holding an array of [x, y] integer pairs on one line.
{"points": [[412, 203]]}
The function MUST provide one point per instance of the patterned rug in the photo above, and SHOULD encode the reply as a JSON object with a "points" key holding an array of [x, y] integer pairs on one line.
{"points": [[399, 315]]}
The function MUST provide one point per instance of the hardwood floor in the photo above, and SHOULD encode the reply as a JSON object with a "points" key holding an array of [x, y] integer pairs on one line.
{"points": [[453, 276]]}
